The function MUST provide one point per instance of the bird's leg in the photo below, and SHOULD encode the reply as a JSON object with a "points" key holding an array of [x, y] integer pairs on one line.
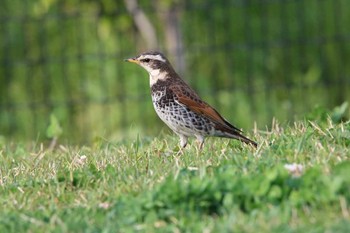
{"points": [[200, 140], [183, 143]]}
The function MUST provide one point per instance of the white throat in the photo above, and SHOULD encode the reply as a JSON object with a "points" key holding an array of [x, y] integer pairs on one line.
{"points": [[156, 75]]}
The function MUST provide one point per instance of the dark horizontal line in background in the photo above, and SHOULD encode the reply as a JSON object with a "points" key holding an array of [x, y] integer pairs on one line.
{"points": [[266, 44]]}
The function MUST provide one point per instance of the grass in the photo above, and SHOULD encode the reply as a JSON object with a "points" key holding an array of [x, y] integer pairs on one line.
{"points": [[143, 186]]}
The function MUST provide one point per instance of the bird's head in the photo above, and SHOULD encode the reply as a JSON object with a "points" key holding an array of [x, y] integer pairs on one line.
{"points": [[155, 63]]}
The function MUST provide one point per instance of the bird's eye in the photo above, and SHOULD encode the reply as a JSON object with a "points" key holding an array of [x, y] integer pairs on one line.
{"points": [[146, 60]]}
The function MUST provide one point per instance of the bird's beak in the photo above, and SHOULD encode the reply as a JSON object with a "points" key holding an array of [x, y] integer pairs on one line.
{"points": [[133, 60]]}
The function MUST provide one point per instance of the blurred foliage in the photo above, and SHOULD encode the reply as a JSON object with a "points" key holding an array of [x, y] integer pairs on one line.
{"points": [[322, 115], [54, 130], [229, 190], [253, 60], [190, 198]]}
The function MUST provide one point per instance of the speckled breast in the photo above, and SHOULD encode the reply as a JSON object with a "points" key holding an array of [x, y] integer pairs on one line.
{"points": [[179, 118]]}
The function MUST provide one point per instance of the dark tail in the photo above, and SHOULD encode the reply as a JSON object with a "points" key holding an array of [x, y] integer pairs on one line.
{"points": [[231, 131], [237, 135], [246, 140]]}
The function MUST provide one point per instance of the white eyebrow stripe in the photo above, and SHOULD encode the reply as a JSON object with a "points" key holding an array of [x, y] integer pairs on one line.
{"points": [[154, 57], [160, 58]]}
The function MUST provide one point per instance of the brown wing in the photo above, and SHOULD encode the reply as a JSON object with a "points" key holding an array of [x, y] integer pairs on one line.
{"points": [[187, 97]]}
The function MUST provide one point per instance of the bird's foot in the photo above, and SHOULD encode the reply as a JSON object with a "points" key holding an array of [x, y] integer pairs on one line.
{"points": [[200, 143]]}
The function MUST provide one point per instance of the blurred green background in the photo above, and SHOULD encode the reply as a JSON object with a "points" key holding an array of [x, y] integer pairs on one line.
{"points": [[62, 62]]}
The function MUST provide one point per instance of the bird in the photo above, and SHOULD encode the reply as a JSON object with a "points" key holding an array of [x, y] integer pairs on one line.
{"points": [[180, 107]]}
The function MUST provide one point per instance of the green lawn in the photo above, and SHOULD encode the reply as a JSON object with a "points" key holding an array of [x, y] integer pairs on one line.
{"points": [[145, 186]]}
